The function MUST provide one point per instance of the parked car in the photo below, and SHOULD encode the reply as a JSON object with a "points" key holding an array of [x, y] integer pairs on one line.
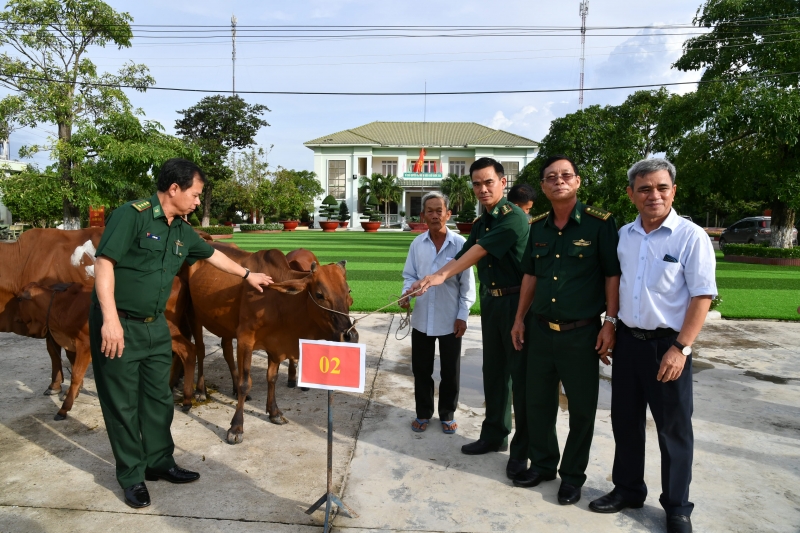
{"points": [[750, 230]]}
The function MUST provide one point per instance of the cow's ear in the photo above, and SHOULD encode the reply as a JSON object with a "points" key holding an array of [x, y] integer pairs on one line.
{"points": [[313, 266], [342, 264], [25, 296], [292, 286]]}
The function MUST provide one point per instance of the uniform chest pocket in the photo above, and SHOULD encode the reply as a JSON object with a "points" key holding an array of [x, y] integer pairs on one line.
{"points": [[581, 252], [663, 276], [542, 260], [152, 253]]}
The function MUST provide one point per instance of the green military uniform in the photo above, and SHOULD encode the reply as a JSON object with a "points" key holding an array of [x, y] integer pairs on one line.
{"points": [[134, 389], [503, 233], [570, 265]]}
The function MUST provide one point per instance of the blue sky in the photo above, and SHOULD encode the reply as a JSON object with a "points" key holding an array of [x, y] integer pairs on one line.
{"points": [[397, 64]]}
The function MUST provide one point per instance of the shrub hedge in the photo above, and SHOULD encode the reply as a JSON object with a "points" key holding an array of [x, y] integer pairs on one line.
{"points": [[758, 250], [271, 226], [218, 230]]}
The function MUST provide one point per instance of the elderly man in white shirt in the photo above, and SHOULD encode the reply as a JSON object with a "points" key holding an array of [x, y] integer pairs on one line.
{"points": [[665, 291], [441, 313]]}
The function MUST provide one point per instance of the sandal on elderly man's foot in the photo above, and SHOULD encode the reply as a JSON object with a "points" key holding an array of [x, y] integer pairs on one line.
{"points": [[449, 426], [419, 425]]}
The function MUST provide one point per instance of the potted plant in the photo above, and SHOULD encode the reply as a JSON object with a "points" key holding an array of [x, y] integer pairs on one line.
{"points": [[465, 217], [370, 218], [328, 210], [344, 215], [416, 225]]}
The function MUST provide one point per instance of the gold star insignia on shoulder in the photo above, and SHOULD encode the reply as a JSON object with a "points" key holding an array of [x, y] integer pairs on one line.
{"points": [[596, 212], [506, 209], [539, 217], [141, 205]]}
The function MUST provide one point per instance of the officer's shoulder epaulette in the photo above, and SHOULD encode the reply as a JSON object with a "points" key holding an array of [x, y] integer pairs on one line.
{"points": [[539, 217], [476, 219], [596, 212], [141, 205]]}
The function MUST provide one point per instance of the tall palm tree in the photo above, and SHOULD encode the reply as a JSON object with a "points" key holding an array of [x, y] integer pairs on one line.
{"points": [[458, 189], [386, 189]]}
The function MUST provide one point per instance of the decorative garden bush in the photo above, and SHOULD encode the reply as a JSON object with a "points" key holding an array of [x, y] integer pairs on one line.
{"points": [[758, 250], [217, 230], [272, 226]]}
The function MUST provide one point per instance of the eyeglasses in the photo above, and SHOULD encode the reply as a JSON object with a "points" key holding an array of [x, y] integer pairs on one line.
{"points": [[553, 178]]}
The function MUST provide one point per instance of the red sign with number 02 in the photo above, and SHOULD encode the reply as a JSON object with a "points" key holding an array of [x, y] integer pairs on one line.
{"points": [[332, 365]]}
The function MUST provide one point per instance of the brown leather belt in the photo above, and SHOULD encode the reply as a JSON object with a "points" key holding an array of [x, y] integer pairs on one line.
{"points": [[124, 314], [503, 292], [566, 326]]}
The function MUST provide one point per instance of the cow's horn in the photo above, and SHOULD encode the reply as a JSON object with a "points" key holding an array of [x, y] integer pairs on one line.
{"points": [[342, 264], [313, 266]]}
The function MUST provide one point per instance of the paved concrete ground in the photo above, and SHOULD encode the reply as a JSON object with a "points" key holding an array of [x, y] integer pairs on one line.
{"points": [[59, 476]]}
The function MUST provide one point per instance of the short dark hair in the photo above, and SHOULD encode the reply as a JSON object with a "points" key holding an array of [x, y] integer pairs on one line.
{"points": [[485, 162], [552, 159], [180, 171], [521, 193]]}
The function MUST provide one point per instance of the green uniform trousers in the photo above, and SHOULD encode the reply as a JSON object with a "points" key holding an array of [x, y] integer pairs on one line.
{"points": [[569, 357], [503, 369], [135, 396]]}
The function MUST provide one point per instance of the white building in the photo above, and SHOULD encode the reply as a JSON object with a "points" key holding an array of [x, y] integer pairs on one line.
{"points": [[392, 148], [7, 167]]}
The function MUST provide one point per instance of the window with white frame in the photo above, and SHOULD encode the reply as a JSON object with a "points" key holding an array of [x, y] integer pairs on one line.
{"points": [[459, 168], [512, 171], [337, 178], [389, 168]]}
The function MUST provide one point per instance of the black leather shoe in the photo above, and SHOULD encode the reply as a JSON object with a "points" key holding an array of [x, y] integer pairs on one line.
{"points": [[480, 447], [175, 474], [137, 496], [568, 494], [531, 478], [678, 523], [613, 502], [515, 466]]}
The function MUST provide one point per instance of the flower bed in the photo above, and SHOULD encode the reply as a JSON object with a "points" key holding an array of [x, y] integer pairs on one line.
{"points": [[761, 255]]}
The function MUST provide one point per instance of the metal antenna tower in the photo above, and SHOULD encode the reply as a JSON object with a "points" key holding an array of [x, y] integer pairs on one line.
{"points": [[583, 10], [233, 54]]}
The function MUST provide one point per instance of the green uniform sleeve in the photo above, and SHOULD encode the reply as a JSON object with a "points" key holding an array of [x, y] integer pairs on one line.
{"points": [[198, 247], [505, 234], [609, 238], [526, 265], [120, 233]]}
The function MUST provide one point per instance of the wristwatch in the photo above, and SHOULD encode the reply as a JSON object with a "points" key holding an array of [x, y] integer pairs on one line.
{"points": [[685, 350], [613, 321], [246, 273]]}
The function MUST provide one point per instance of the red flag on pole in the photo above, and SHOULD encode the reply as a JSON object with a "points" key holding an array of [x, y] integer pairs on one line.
{"points": [[418, 166]]}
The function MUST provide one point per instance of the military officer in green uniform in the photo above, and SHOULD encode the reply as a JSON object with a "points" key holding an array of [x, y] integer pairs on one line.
{"points": [[571, 276], [496, 244], [143, 247]]}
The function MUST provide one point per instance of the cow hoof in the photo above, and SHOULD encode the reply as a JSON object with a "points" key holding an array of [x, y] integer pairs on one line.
{"points": [[51, 392], [279, 420], [185, 408], [304, 389], [235, 438], [60, 417], [292, 383], [200, 397]]}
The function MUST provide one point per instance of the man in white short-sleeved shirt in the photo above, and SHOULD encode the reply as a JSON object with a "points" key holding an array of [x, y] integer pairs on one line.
{"points": [[439, 314], [666, 289]]}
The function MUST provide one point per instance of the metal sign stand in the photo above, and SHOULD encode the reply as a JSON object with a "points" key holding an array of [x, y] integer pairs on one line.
{"points": [[329, 495]]}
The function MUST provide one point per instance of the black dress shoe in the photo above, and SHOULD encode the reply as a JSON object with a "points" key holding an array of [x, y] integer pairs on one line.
{"points": [[515, 466], [137, 496], [613, 502], [568, 494], [480, 446], [531, 478], [175, 474], [678, 523]]}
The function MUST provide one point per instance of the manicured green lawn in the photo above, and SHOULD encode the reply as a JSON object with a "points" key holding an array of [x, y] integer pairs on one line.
{"points": [[375, 265]]}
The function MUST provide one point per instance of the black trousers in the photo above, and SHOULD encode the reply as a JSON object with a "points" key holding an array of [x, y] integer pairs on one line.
{"points": [[423, 349], [633, 387]]}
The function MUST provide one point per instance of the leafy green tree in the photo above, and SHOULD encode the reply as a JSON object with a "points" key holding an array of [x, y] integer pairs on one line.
{"points": [[46, 65], [739, 133], [458, 189], [33, 197], [383, 189], [216, 125], [250, 172]]}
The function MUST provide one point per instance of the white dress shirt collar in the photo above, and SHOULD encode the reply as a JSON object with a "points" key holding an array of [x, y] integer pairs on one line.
{"points": [[671, 222]]}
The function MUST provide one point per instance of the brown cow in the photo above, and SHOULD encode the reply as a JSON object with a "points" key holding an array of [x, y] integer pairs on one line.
{"points": [[301, 259], [47, 257], [62, 311], [297, 306]]}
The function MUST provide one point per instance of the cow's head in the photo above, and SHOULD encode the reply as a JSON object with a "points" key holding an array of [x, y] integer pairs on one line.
{"points": [[327, 297]]}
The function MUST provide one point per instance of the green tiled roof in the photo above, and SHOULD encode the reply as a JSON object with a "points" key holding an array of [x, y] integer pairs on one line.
{"points": [[423, 134]]}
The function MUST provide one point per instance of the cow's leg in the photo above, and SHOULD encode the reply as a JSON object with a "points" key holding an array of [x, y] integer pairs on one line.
{"points": [[175, 371], [244, 356], [57, 373], [292, 373], [227, 353], [80, 362], [275, 414], [186, 353], [200, 354]]}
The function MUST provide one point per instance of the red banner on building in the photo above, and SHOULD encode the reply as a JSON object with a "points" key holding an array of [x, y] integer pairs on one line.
{"points": [[97, 217]]}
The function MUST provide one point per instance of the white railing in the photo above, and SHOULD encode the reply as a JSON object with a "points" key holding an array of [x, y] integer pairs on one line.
{"points": [[394, 220]]}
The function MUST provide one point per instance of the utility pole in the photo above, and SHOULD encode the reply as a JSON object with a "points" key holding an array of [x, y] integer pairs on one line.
{"points": [[233, 56], [583, 11]]}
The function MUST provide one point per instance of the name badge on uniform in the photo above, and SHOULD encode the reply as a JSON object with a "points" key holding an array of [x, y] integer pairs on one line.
{"points": [[582, 243], [154, 237], [540, 244]]}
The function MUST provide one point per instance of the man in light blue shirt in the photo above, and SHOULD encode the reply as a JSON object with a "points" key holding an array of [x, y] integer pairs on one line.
{"points": [[441, 313], [665, 292]]}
